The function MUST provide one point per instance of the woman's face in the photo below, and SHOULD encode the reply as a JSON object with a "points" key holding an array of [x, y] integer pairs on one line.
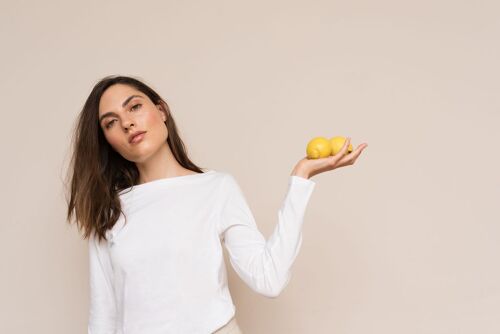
{"points": [[123, 111]]}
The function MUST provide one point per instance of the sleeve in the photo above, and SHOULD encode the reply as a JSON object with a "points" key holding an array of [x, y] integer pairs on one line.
{"points": [[264, 265], [102, 311]]}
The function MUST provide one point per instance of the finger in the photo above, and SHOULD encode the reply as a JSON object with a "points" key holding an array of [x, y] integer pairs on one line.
{"points": [[344, 150], [359, 149], [351, 158], [347, 142]]}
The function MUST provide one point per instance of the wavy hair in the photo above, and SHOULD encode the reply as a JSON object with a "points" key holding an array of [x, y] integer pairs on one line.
{"points": [[97, 173]]}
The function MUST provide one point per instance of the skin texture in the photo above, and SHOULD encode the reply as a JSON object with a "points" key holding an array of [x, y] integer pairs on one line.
{"points": [[152, 155]]}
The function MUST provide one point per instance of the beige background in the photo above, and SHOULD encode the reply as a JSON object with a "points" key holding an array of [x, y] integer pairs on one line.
{"points": [[405, 241]]}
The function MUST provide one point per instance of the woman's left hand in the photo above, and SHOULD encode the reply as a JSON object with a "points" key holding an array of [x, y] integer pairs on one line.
{"points": [[307, 168]]}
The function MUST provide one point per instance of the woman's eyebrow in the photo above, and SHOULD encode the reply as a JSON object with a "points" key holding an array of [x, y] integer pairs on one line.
{"points": [[111, 113]]}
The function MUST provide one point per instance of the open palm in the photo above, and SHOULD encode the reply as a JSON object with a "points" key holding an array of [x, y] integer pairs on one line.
{"points": [[309, 167]]}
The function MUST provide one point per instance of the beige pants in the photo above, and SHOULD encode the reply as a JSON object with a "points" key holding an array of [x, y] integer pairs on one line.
{"points": [[230, 328]]}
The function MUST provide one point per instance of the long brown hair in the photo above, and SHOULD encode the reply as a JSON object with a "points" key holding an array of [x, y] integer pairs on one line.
{"points": [[97, 173]]}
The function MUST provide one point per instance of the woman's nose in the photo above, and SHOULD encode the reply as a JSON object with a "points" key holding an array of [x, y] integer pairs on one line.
{"points": [[128, 123]]}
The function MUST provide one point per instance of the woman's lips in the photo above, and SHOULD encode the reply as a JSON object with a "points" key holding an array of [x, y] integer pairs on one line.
{"points": [[138, 138]]}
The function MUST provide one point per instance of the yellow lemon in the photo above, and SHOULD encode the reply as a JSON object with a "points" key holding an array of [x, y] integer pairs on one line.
{"points": [[337, 143], [318, 147]]}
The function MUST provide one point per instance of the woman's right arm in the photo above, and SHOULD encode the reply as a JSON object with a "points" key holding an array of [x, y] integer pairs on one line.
{"points": [[102, 309]]}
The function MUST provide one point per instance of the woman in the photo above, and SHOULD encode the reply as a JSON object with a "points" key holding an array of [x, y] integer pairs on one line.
{"points": [[156, 222]]}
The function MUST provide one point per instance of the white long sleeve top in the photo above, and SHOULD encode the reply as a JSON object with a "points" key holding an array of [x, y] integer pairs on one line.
{"points": [[163, 271]]}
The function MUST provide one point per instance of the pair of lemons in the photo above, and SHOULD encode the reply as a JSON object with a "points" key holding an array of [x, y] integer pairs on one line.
{"points": [[321, 147]]}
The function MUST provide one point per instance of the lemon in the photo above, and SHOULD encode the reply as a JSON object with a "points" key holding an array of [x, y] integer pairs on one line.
{"points": [[318, 147], [337, 143]]}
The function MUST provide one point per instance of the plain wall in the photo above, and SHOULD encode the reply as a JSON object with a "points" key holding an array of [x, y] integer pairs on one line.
{"points": [[405, 241]]}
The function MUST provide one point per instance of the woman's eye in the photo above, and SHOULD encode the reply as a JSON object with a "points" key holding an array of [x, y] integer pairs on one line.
{"points": [[107, 126], [135, 106], [110, 124]]}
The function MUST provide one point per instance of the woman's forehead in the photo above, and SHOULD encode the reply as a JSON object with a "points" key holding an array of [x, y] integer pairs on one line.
{"points": [[115, 98]]}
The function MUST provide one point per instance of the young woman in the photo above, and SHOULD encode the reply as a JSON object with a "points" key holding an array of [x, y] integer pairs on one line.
{"points": [[156, 222]]}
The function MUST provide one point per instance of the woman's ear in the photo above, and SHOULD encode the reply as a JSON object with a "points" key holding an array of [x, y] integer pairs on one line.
{"points": [[163, 113]]}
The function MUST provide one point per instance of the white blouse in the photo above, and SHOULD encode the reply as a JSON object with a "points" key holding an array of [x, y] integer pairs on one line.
{"points": [[163, 271]]}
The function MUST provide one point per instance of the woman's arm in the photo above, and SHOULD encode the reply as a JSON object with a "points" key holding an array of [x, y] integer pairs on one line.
{"points": [[102, 310], [264, 265]]}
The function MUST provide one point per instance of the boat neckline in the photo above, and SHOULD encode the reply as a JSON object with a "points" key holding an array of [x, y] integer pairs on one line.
{"points": [[164, 180]]}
